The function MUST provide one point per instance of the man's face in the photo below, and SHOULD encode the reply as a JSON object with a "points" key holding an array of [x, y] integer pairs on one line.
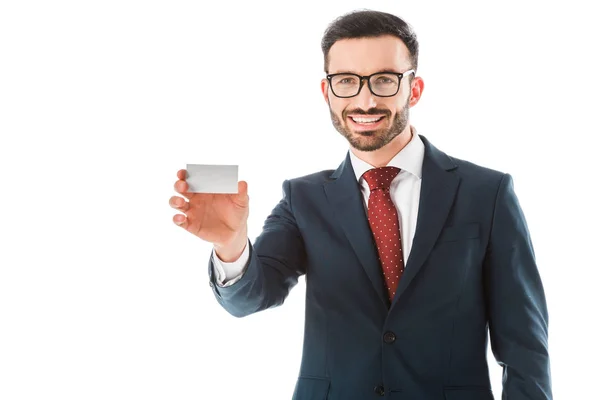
{"points": [[365, 56]]}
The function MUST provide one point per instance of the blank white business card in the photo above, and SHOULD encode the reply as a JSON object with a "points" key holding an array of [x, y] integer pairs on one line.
{"points": [[204, 178]]}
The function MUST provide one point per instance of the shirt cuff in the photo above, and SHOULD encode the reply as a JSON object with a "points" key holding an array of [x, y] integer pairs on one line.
{"points": [[228, 273]]}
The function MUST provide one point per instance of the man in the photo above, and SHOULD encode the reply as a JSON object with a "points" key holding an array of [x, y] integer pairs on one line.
{"points": [[409, 255]]}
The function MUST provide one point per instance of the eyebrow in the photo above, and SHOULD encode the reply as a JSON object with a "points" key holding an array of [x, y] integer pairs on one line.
{"points": [[385, 70]]}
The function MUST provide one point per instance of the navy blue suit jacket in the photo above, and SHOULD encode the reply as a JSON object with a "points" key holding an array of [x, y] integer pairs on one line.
{"points": [[471, 268]]}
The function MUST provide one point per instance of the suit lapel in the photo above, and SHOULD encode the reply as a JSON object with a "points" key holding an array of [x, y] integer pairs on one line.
{"points": [[346, 201], [438, 188]]}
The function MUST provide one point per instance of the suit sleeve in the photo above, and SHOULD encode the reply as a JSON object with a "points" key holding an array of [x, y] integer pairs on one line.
{"points": [[516, 304], [277, 260]]}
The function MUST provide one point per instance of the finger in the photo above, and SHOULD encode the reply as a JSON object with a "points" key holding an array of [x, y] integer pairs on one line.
{"points": [[181, 220], [242, 188], [182, 174], [179, 204], [181, 187]]}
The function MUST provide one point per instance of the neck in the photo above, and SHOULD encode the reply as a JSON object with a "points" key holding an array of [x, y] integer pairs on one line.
{"points": [[382, 156]]}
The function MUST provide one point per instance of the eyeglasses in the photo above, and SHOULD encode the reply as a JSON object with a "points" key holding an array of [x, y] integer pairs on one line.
{"points": [[381, 84]]}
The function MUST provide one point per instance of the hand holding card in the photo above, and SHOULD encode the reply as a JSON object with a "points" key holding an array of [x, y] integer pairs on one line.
{"points": [[217, 207]]}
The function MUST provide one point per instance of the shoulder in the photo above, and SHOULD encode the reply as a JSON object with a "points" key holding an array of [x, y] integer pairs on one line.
{"points": [[471, 170], [473, 176], [315, 178], [307, 183]]}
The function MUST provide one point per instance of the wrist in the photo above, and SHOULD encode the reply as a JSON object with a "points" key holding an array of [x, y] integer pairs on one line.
{"points": [[232, 251]]}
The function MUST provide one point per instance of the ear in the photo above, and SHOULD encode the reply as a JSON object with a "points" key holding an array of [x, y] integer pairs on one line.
{"points": [[416, 90], [325, 89]]}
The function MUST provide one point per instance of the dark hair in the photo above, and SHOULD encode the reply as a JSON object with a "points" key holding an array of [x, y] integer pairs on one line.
{"points": [[369, 23]]}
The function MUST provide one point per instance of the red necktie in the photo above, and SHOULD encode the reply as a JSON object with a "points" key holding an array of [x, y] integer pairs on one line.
{"points": [[383, 219]]}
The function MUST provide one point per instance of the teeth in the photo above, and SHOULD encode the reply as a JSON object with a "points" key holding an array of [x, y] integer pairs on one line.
{"points": [[365, 120]]}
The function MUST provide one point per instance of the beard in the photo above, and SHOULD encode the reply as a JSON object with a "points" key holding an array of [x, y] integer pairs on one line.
{"points": [[373, 139]]}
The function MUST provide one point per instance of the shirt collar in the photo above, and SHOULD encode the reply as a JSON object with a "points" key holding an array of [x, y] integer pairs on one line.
{"points": [[409, 159]]}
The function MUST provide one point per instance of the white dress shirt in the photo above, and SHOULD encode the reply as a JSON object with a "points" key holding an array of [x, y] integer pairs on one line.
{"points": [[405, 191]]}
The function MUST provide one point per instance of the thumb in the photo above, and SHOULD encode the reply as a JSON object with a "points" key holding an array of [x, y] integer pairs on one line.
{"points": [[242, 188], [241, 197]]}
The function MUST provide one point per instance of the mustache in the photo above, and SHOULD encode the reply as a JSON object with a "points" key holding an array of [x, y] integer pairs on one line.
{"points": [[371, 111]]}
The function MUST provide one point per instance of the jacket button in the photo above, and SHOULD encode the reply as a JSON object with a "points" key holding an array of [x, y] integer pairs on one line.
{"points": [[380, 390], [389, 337]]}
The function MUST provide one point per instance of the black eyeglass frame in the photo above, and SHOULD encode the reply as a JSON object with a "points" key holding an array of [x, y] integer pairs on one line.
{"points": [[368, 78]]}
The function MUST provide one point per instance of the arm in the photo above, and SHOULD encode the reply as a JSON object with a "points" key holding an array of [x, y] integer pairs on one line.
{"points": [[276, 261], [515, 301]]}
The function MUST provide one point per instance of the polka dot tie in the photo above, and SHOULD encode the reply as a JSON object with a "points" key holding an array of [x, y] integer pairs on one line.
{"points": [[383, 219]]}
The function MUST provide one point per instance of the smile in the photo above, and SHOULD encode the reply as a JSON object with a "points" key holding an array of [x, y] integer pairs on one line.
{"points": [[363, 123]]}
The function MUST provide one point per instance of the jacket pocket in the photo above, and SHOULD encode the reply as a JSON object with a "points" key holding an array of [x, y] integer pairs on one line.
{"points": [[473, 393], [308, 388], [459, 232]]}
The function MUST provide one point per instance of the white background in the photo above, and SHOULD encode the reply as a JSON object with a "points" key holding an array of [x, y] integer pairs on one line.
{"points": [[101, 102]]}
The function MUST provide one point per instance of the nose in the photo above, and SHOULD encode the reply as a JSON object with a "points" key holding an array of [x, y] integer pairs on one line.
{"points": [[365, 99]]}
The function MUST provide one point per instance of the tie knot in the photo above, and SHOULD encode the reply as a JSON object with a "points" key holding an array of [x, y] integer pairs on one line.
{"points": [[380, 178]]}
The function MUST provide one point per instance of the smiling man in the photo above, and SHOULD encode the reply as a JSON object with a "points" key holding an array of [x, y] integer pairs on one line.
{"points": [[411, 256], [369, 89]]}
